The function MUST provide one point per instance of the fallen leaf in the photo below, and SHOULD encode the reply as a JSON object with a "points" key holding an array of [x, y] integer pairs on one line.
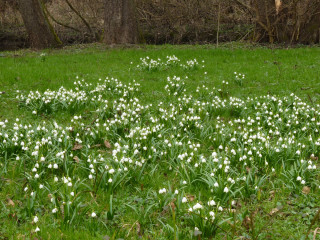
{"points": [[107, 144], [273, 211], [76, 146], [272, 194], [138, 229], [190, 198], [306, 190], [75, 158], [246, 222], [172, 205], [10, 202], [314, 158]]}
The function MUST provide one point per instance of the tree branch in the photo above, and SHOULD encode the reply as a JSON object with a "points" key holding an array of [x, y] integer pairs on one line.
{"points": [[80, 16]]}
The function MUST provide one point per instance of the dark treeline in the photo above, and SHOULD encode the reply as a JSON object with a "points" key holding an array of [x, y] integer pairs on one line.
{"points": [[52, 23]]}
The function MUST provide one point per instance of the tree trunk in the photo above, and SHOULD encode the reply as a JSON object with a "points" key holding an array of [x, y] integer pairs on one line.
{"points": [[40, 31], [120, 24]]}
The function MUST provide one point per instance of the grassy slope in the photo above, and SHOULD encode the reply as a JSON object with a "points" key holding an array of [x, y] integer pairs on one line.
{"points": [[275, 71]]}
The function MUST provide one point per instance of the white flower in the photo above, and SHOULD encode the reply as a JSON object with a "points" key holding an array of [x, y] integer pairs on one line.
{"points": [[184, 199], [211, 203], [163, 190], [93, 214], [303, 181], [226, 190], [299, 178], [216, 184], [72, 193], [37, 229], [54, 210], [197, 206], [35, 219], [111, 171], [110, 180], [176, 191]]}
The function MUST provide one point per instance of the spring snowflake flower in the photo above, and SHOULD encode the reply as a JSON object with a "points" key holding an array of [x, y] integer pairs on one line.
{"points": [[110, 180], [303, 182], [163, 190], [225, 190], [184, 199], [35, 219], [299, 178], [37, 229], [197, 206], [54, 210], [93, 214]]}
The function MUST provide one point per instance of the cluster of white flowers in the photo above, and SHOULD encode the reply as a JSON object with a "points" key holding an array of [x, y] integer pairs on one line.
{"points": [[188, 136], [150, 64]]}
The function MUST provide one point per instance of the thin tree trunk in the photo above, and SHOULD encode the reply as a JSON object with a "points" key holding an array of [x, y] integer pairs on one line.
{"points": [[120, 24], [40, 32]]}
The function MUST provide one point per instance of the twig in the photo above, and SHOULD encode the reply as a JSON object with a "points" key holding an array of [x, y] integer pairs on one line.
{"points": [[58, 22], [313, 222]]}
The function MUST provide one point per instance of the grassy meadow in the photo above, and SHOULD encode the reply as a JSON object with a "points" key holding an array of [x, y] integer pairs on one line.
{"points": [[160, 142]]}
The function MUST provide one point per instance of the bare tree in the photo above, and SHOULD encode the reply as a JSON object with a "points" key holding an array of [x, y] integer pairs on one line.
{"points": [[287, 21], [120, 24], [40, 31]]}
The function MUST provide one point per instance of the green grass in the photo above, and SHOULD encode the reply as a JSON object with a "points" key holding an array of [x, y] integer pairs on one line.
{"points": [[268, 71], [278, 211]]}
